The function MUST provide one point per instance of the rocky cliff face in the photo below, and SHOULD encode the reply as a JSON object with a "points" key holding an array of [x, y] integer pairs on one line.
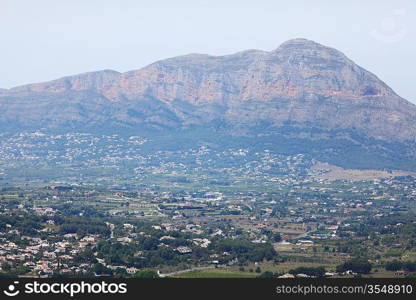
{"points": [[295, 68], [301, 83]]}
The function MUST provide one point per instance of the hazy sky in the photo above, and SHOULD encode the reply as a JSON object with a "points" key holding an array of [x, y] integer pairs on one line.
{"points": [[46, 39]]}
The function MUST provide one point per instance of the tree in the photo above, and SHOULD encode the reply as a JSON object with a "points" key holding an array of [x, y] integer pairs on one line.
{"points": [[310, 271], [100, 269], [409, 266], [357, 265], [145, 274], [266, 274], [277, 237], [394, 265], [120, 273]]}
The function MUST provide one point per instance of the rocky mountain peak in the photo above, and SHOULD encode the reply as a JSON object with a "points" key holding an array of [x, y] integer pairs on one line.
{"points": [[301, 82], [301, 43], [95, 81]]}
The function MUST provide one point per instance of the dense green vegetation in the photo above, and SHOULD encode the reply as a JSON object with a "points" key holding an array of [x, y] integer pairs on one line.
{"points": [[310, 271], [397, 265], [245, 250], [356, 265], [145, 274]]}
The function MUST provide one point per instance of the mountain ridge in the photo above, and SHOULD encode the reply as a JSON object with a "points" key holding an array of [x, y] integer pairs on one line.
{"points": [[290, 45], [300, 87]]}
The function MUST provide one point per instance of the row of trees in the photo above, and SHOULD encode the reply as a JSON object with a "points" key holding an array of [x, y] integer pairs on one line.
{"points": [[396, 265], [310, 271], [245, 250], [356, 265]]}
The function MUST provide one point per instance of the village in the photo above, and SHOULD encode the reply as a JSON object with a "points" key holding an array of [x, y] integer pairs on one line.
{"points": [[82, 231]]}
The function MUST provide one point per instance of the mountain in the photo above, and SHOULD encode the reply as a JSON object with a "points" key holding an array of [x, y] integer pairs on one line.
{"points": [[301, 97]]}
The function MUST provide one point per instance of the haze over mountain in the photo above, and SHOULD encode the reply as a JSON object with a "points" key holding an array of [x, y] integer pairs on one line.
{"points": [[301, 97]]}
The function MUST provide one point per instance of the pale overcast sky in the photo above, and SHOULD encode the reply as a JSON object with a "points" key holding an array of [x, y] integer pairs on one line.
{"points": [[46, 39]]}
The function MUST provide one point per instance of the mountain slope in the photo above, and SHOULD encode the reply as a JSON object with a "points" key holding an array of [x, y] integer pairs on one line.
{"points": [[302, 93]]}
